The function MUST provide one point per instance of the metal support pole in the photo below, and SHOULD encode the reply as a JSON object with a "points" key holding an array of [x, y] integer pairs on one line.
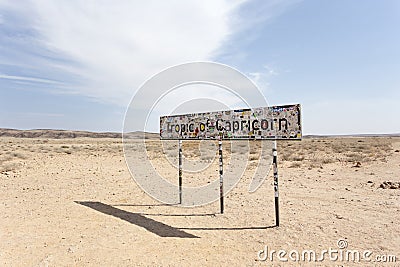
{"points": [[180, 170], [275, 164], [221, 172]]}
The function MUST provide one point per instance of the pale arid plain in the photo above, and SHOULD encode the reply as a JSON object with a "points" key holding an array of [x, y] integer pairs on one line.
{"points": [[73, 202]]}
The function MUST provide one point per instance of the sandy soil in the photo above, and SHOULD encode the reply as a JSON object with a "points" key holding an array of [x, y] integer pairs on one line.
{"points": [[73, 202]]}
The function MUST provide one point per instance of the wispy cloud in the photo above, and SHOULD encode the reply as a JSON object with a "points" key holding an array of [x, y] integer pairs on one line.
{"points": [[263, 77], [113, 48], [28, 79], [106, 50], [40, 114]]}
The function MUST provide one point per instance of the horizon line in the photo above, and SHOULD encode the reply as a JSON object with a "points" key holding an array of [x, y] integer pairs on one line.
{"points": [[138, 131]]}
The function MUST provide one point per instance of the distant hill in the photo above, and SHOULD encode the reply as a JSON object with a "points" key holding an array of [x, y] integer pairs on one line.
{"points": [[352, 135], [61, 134]]}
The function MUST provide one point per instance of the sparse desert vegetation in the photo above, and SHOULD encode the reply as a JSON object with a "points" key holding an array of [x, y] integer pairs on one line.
{"points": [[328, 188], [318, 152]]}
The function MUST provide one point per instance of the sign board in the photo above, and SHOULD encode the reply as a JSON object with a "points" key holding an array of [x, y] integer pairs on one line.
{"points": [[276, 122]]}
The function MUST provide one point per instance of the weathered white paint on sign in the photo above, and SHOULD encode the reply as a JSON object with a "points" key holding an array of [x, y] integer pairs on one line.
{"points": [[276, 122]]}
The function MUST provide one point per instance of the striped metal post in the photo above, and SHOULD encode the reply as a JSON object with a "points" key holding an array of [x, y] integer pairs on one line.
{"points": [[221, 178], [275, 164], [180, 170]]}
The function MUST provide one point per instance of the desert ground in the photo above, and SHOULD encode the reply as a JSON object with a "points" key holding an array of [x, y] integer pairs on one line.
{"points": [[73, 202]]}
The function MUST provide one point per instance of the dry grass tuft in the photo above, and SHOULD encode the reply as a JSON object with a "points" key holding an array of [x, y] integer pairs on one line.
{"points": [[295, 165], [318, 152]]}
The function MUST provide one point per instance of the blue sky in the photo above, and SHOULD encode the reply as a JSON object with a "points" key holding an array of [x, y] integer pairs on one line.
{"points": [[76, 64]]}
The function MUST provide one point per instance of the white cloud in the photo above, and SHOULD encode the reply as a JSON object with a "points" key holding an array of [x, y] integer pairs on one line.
{"points": [[263, 77], [109, 49], [118, 46], [271, 71]]}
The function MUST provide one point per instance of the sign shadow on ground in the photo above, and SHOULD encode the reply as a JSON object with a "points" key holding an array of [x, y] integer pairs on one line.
{"points": [[158, 228]]}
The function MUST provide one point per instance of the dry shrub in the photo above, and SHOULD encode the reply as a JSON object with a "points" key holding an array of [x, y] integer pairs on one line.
{"points": [[328, 160], [253, 157], [295, 165], [298, 158], [7, 167], [315, 165], [345, 150]]}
